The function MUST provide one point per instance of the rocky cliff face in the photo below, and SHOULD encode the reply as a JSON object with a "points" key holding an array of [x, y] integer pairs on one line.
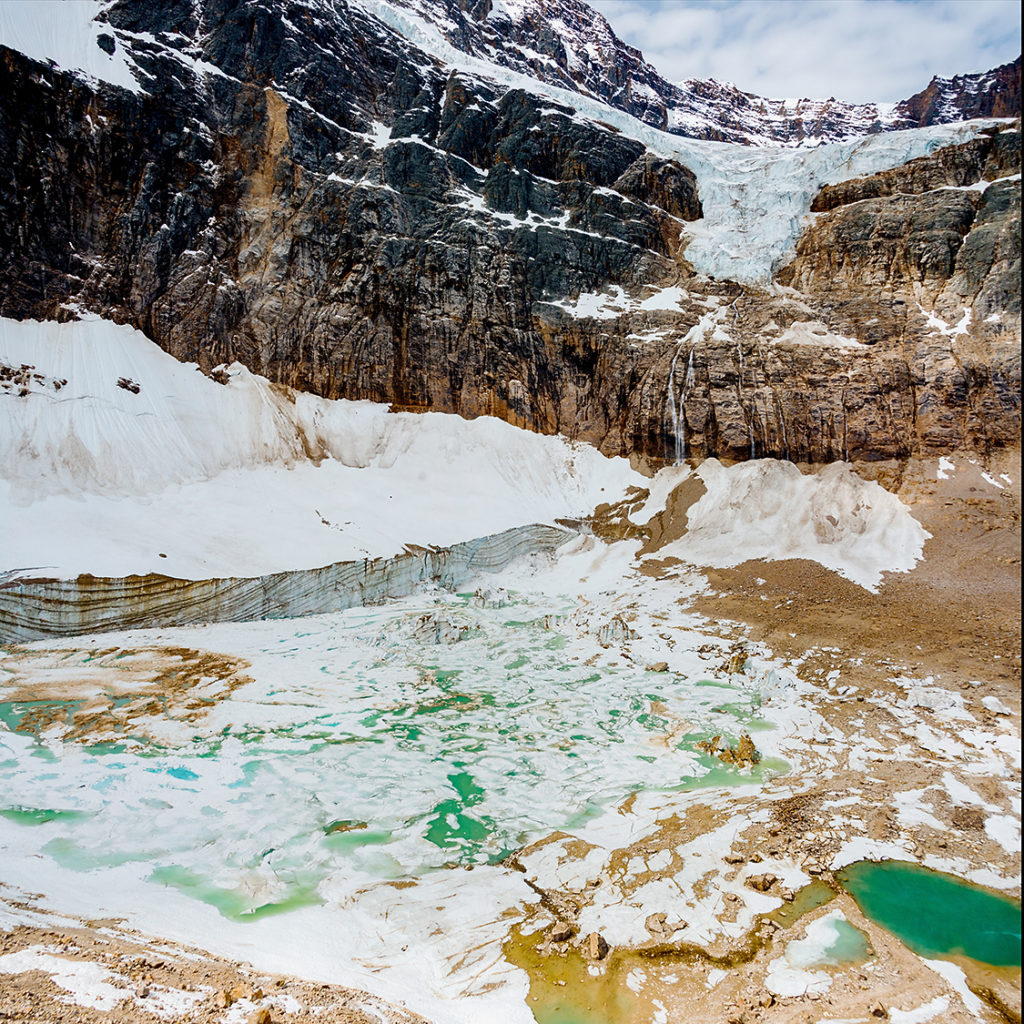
{"points": [[298, 186], [994, 93]]}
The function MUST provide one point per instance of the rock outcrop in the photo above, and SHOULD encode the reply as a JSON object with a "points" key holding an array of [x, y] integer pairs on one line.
{"points": [[992, 155], [994, 93]]}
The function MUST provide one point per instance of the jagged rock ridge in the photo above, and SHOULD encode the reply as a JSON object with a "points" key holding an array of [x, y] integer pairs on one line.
{"points": [[569, 44]]}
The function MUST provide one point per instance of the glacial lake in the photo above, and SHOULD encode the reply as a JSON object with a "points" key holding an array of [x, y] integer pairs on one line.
{"points": [[936, 914]]}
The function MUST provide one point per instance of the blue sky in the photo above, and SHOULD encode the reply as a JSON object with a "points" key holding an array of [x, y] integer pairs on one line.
{"points": [[856, 50]]}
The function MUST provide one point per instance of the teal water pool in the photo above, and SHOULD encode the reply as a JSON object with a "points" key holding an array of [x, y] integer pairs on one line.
{"points": [[936, 914]]}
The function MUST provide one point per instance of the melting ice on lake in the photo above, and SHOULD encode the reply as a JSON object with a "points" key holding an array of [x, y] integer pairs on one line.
{"points": [[355, 766], [361, 741]]}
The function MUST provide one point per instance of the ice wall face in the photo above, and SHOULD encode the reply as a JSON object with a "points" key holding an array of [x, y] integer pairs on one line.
{"points": [[345, 201], [33, 609]]}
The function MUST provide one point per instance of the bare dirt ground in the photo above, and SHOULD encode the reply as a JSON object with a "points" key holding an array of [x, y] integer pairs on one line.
{"points": [[956, 616]]}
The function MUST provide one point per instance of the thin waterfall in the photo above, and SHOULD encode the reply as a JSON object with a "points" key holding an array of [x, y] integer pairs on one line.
{"points": [[782, 423], [675, 411], [750, 418]]}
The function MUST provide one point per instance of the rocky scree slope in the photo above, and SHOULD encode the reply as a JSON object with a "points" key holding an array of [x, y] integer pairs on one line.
{"points": [[298, 187]]}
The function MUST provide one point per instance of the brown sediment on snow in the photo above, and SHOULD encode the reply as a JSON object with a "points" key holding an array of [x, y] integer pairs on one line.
{"points": [[955, 617], [877, 769], [886, 773], [90, 696]]}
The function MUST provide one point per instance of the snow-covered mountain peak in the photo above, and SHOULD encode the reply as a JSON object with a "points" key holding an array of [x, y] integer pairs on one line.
{"points": [[565, 43]]}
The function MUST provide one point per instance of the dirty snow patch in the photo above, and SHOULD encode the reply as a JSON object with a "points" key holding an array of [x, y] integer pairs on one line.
{"points": [[89, 983], [923, 1014], [812, 332], [766, 508]]}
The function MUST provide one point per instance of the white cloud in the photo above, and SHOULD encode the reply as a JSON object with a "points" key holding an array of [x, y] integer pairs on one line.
{"points": [[855, 50]]}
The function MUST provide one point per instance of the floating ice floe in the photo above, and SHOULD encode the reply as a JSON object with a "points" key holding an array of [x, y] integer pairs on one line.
{"points": [[352, 753], [793, 973]]}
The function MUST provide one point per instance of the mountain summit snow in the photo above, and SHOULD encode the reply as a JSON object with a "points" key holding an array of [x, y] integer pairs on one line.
{"points": [[568, 44]]}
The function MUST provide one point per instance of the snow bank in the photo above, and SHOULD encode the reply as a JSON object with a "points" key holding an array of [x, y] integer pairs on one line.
{"points": [[66, 34], [89, 983], [116, 458], [769, 509]]}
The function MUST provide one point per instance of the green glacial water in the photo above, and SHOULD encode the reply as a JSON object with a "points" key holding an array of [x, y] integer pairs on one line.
{"points": [[851, 945], [362, 745], [936, 914], [39, 815], [232, 904], [813, 895]]}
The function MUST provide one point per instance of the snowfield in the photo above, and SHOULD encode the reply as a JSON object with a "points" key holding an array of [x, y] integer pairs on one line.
{"points": [[246, 478]]}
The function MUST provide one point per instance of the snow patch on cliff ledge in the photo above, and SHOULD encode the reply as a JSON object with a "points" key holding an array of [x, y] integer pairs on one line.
{"points": [[756, 199], [67, 35]]}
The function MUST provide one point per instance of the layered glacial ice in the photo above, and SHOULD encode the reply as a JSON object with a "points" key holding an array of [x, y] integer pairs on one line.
{"points": [[333, 795], [116, 459]]}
